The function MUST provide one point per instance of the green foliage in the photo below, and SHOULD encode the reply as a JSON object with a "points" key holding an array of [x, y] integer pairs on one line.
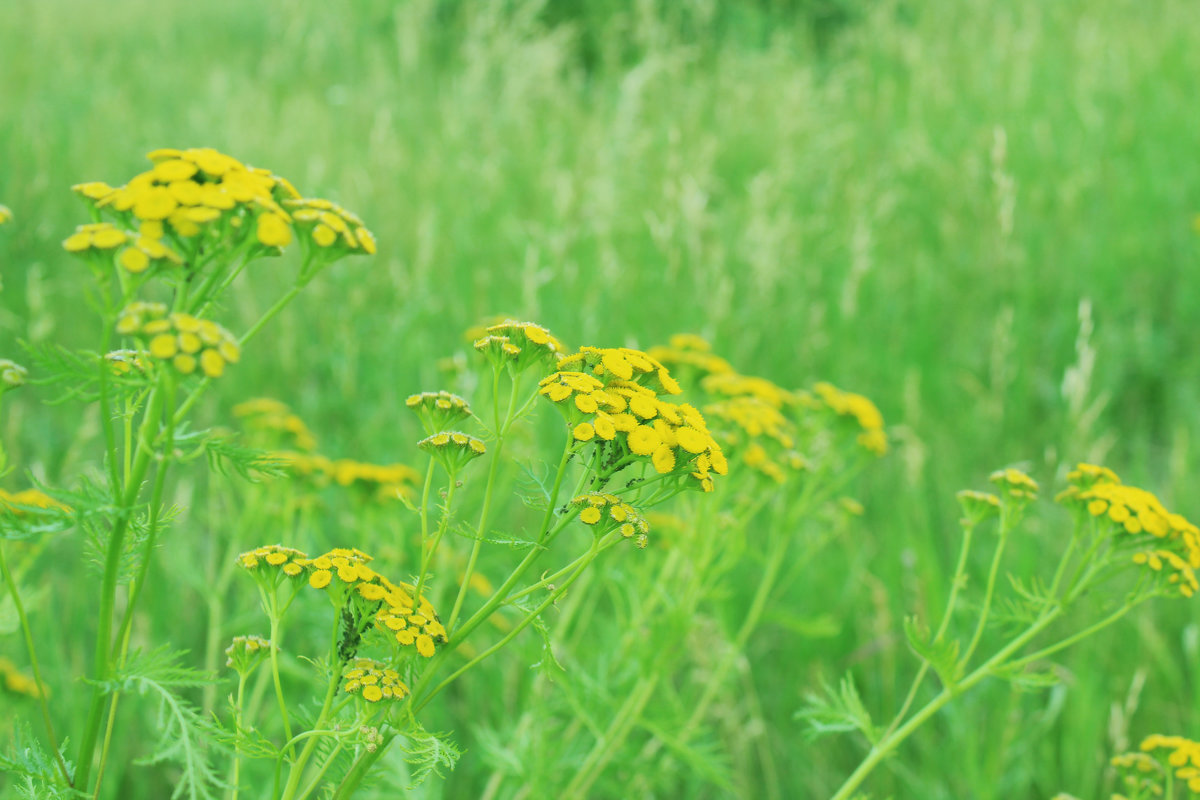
{"points": [[839, 710], [941, 654]]}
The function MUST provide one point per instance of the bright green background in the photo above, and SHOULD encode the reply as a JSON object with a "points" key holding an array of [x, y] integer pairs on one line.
{"points": [[817, 187]]}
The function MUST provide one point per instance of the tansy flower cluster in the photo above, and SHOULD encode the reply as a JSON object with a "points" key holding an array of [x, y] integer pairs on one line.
{"points": [[1015, 484], [1182, 758], [410, 624], [862, 410], [687, 353], [345, 574], [438, 410], [623, 364], [374, 482], [374, 681], [329, 226], [265, 415], [606, 512], [632, 418], [189, 191], [246, 652], [521, 344], [1168, 543], [453, 449], [181, 340], [127, 362], [759, 432], [137, 252], [731, 384]]}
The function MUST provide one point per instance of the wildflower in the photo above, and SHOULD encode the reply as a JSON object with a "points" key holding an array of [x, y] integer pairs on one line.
{"points": [[438, 411], [6, 215], [273, 564], [184, 341], [605, 512], [374, 681], [847, 404], [1015, 484], [625, 364], [1183, 758], [978, 506], [245, 653], [1173, 543], [453, 449], [330, 227], [691, 353], [520, 344], [95, 236], [12, 375], [376, 481], [275, 421], [126, 362], [730, 384]]}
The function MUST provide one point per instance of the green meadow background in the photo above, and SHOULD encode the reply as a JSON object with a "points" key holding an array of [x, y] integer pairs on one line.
{"points": [[978, 214]]}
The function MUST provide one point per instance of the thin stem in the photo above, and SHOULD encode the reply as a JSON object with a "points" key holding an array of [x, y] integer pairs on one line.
{"points": [[235, 778], [1075, 637], [493, 471], [605, 747], [956, 585], [989, 592], [108, 591], [888, 743], [27, 632], [428, 549], [508, 637], [335, 677], [273, 612]]}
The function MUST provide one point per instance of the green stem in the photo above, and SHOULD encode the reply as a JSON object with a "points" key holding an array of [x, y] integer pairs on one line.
{"points": [[956, 585], [108, 592], [605, 748], [1075, 637], [335, 677], [27, 632], [428, 549], [316, 781], [508, 637], [493, 471], [273, 612], [985, 611], [890, 742], [238, 721]]}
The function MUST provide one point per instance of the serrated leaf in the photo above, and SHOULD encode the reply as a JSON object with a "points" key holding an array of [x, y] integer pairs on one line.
{"points": [[940, 654]]}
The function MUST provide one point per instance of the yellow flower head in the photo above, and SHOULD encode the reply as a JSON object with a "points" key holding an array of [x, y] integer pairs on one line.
{"points": [[1015, 484], [605, 512], [521, 344], [330, 227], [189, 344], [246, 652], [1181, 755], [6, 215], [690, 355], [274, 557], [623, 364], [453, 449], [758, 432], [188, 192], [373, 680], [438, 411], [273, 424], [847, 404], [376, 482]]}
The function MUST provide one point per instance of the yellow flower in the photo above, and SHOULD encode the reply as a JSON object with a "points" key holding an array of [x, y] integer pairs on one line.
{"points": [[273, 230], [95, 236]]}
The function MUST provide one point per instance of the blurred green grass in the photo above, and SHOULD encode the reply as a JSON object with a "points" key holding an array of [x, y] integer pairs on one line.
{"points": [[909, 200]]}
